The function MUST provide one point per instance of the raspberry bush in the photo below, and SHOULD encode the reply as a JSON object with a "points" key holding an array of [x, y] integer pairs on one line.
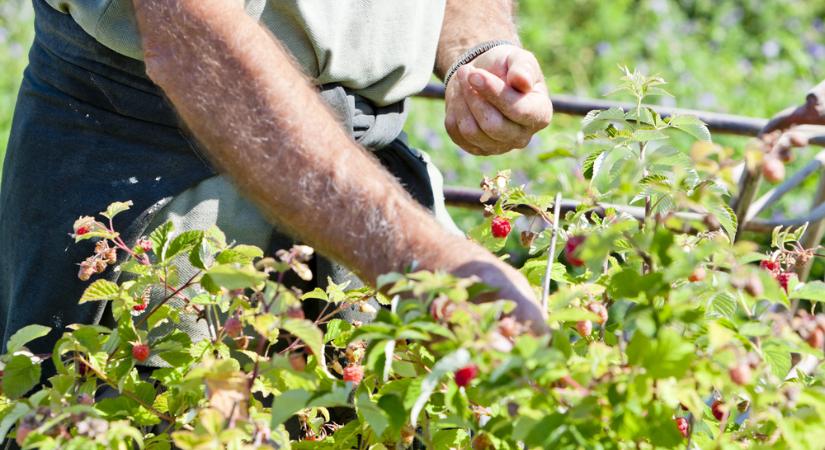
{"points": [[666, 332]]}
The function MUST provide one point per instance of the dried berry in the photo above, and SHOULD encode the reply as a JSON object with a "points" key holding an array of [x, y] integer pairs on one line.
{"points": [[509, 327], [140, 352], [465, 375], [145, 245], [354, 373], [570, 249], [527, 238], [295, 313], [753, 286], [817, 338], [500, 227], [233, 327]]}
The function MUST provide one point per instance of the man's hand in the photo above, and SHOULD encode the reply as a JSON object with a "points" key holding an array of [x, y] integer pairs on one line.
{"points": [[497, 102]]}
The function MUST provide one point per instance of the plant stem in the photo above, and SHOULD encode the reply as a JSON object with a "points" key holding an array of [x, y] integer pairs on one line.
{"points": [[551, 255]]}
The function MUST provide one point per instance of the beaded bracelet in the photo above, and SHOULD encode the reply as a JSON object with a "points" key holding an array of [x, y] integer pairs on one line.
{"points": [[472, 54]]}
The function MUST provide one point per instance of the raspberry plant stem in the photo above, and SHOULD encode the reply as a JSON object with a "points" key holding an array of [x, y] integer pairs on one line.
{"points": [[551, 255]]}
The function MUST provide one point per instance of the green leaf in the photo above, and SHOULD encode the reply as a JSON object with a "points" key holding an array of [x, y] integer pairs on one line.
{"points": [[377, 419], [240, 254], [668, 355], [116, 208], [100, 290], [17, 412], [692, 126], [287, 404], [184, 242], [596, 120], [25, 335], [778, 356], [159, 238], [306, 331], [232, 277], [20, 376], [812, 290], [445, 365]]}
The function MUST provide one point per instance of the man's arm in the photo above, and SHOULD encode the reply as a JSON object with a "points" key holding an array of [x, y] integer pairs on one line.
{"points": [[499, 100], [265, 125]]}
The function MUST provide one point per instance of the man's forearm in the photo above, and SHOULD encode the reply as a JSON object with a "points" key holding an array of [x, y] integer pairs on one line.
{"points": [[264, 124], [467, 24]]}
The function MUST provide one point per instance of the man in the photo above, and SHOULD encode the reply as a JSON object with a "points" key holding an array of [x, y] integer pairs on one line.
{"points": [[90, 128]]}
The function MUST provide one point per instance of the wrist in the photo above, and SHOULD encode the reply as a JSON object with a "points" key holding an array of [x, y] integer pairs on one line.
{"points": [[473, 53]]}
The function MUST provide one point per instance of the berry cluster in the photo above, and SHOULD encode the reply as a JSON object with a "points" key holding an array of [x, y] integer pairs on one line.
{"points": [[781, 276], [97, 263]]}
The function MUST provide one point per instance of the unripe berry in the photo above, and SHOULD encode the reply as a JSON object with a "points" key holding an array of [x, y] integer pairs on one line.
{"points": [[683, 426], [140, 352], [740, 374], [354, 373], [773, 170], [570, 250], [465, 375], [697, 275], [295, 313], [584, 327], [753, 286], [817, 338], [599, 310], [718, 409], [233, 327], [298, 361], [509, 327], [500, 227], [22, 432]]}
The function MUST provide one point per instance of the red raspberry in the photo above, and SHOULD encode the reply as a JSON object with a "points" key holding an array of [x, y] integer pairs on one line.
{"points": [[570, 250], [81, 231], [717, 407], [817, 338], [783, 279], [140, 307], [145, 245], [683, 426], [584, 327], [697, 275], [500, 227], [233, 327], [354, 373], [769, 265], [140, 352], [465, 375]]}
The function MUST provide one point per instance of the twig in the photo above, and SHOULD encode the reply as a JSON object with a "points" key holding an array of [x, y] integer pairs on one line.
{"points": [[551, 255]]}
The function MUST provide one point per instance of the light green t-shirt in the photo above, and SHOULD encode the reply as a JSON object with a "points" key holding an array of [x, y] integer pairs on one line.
{"points": [[383, 50]]}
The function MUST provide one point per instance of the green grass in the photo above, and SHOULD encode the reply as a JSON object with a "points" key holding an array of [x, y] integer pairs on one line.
{"points": [[15, 38]]}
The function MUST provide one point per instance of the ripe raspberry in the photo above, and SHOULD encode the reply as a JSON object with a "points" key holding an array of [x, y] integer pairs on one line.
{"points": [[500, 227], [233, 327], [683, 426], [140, 352], [570, 250], [697, 275], [740, 374], [599, 310], [145, 245], [769, 265], [783, 279], [584, 327], [354, 373], [81, 231], [773, 170], [140, 307], [465, 375], [718, 409]]}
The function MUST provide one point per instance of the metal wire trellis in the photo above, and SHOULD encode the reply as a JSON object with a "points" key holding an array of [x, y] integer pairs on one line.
{"points": [[746, 206]]}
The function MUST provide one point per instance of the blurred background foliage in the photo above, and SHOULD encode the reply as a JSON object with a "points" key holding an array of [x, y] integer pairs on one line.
{"points": [[749, 57]]}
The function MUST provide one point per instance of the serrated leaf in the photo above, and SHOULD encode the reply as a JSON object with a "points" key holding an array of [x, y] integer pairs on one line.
{"points": [[100, 290], [692, 126], [25, 335], [377, 419], [812, 290], [159, 238], [19, 376], [287, 404], [231, 277], [589, 162], [116, 208], [306, 331], [596, 120], [723, 304], [184, 242], [17, 412], [241, 254], [778, 356]]}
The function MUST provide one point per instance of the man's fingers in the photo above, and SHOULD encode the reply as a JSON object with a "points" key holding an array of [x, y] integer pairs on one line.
{"points": [[532, 110], [523, 71], [492, 122], [459, 121]]}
